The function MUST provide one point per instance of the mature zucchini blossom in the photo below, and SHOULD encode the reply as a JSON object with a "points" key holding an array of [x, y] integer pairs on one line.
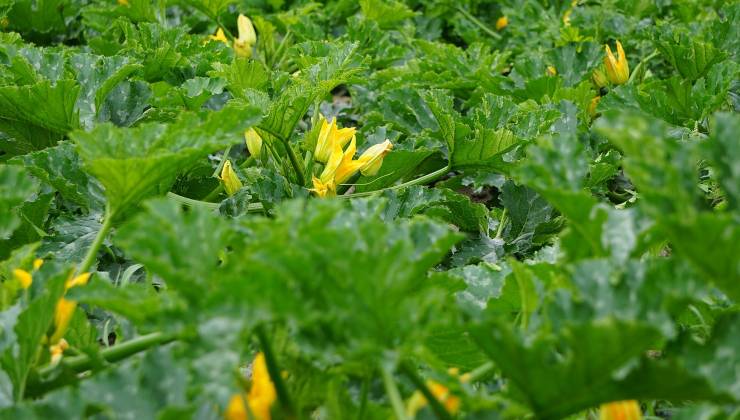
{"points": [[254, 142], [417, 401], [620, 410], [341, 166], [501, 23], [24, 277], [231, 181], [617, 69], [261, 396], [220, 36], [66, 308], [247, 37], [328, 134]]}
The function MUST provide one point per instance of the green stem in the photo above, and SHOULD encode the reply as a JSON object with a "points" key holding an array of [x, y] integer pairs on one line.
{"points": [[501, 224], [480, 24], [364, 391], [638, 69], [113, 354], [418, 181], [274, 371], [480, 372], [392, 390], [437, 407], [296, 164], [190, 202], [92, 252], [214, 193]]}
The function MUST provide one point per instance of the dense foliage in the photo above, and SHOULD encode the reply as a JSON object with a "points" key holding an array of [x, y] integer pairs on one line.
{"points": [[553, 223]]}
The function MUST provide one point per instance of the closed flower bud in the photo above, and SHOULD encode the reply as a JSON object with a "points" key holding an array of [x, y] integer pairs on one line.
{"points": [[598, 77], [372, 159], [247, 37], [254, 142], [231, 181], [552, 71], [617, 68], [220, 36], [501, 23], [592, 106]]}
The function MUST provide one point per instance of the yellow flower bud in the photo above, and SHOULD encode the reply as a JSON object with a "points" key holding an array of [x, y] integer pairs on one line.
{"points": [[617, 69], [449, 401], [247, 37], [37, 263], [620, 410], [23, 277], [592, 106], [123, 2], [63, 313], [501, 23], [57, 350], [552, 71], [230, 179], [254, 142], [79, 280], [372, 159]]}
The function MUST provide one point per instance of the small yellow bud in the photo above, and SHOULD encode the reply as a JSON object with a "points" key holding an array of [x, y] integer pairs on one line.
{"points": [[23, 277], [552, 71], [592, 106], [230, 179], [598, 77], [57, 350], [254, 142], [220, 36], [617, 68], [501, 23], [37, 263], [123, 3], [62, 316]]}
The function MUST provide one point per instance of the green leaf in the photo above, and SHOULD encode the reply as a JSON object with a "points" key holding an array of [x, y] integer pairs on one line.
{"points": [[484, 151], [398, 165], [724, 152], [37, 116], [15, 188], [386, 12], [691, 57], [526, 211], [136, 163]]}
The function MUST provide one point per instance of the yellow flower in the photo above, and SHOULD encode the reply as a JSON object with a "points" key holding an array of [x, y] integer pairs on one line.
{"points": [[372, 158], [552, 71], [501, 23], [254, 142], [328, 135], [123, 2], [231, 181], [592, 106], [261, 396], [65, 308], [219, 36], [57, 350], [37, 263], [23, 277], [247, 37], [617, 69], [323, 189], [449, 401], [620, 410]]}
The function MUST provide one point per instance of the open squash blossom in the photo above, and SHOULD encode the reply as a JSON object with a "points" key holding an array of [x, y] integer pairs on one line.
{"points": [[417, 401], [247, 37], [254, 142], [617, 68], [620, 410], [328, 134], [261, 396], [341, 166], [219, 36], [66, 308], [231, 181], [501, 23]]}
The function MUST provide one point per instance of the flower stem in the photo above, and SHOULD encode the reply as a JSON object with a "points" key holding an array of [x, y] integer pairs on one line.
{"points": [[478, 23], [501, 224], [418, 181], [392, 390], [437, 407], [92, 252], [274, 371]]}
